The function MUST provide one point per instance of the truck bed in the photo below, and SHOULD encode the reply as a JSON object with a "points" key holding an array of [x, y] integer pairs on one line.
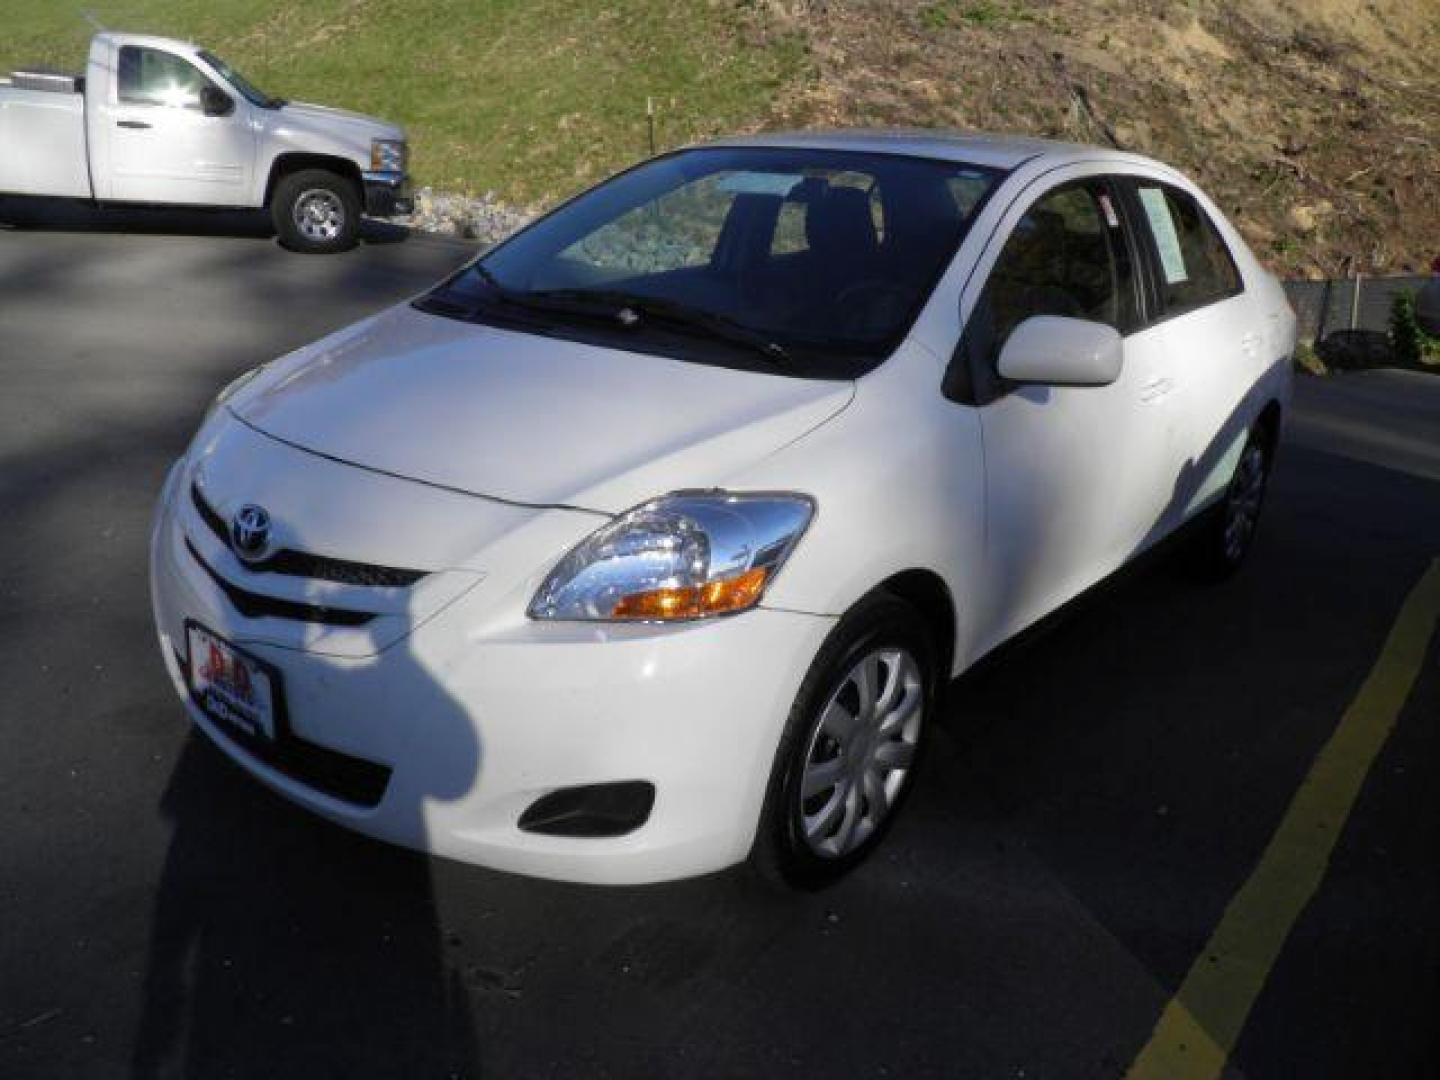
{"points": [[42, 143]]}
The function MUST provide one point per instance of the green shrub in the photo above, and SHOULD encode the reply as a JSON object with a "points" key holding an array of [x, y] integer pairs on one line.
{"points": [[1404, 330], [1413, 347]]}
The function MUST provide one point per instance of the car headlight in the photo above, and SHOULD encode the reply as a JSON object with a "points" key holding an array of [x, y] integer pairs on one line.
{"points": [[684, 556], [387, 155]]}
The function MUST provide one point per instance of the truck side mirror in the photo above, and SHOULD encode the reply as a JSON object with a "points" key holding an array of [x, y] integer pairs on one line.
{"points": [[215, 102]]}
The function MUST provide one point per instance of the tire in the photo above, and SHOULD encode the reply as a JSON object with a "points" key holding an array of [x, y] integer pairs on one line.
{"points": [[1228, 533], [802, 842], [316, 212]]}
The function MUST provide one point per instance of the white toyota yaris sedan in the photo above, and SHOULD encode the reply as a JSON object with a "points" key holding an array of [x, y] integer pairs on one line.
{"points": [[645, 543]]}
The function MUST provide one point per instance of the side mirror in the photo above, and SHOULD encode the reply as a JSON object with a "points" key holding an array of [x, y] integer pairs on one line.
{"points": [[215, 102], [1052, 351]]}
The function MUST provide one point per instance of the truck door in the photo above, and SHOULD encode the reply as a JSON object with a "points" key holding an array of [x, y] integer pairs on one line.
{"points": [[164, 145]]}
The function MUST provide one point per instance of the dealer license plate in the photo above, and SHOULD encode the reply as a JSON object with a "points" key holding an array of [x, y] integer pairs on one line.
{"points": [[230, 686]]}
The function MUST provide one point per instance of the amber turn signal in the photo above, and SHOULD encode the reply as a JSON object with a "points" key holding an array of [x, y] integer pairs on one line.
{"points": [[695, 601]]}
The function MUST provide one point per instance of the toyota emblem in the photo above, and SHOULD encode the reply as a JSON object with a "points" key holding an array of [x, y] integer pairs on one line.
{"points": [[250, 532]]}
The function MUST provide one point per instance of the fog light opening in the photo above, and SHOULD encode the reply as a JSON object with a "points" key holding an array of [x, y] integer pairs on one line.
{"points": [[592, 810]]}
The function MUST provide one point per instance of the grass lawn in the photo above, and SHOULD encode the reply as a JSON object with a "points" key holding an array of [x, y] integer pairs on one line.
{"points": [[529, 98]]}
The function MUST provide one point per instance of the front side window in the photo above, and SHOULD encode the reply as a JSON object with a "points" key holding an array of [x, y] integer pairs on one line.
{"points": [[155, 77], [828, 255], [1066, 257], [1195, 266]]}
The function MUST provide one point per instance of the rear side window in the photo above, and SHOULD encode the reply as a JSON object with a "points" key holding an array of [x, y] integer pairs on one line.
{"points": [[155, 77], [1194, 267], [1066, 257]]}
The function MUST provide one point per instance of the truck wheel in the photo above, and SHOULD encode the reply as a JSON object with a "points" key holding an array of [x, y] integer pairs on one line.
{"points": [[316, 212]]}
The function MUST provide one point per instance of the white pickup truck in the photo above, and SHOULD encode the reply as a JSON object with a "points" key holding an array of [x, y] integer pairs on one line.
{"points": [[166, 122]]}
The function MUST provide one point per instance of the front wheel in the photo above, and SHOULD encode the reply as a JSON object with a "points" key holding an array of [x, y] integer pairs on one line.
{"points": [[316, 212], [851, 746]]}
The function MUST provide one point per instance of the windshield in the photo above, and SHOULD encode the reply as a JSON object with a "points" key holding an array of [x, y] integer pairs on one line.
{"points": [[823, 257], [247, 89]]}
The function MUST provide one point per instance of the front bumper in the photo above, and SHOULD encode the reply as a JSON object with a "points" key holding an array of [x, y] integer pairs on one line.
{"points": [[387, 193], [469, 719]]}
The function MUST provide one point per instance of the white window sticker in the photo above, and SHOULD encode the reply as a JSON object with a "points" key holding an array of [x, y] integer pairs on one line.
{"points": [[759, 183], [1162, 225]]}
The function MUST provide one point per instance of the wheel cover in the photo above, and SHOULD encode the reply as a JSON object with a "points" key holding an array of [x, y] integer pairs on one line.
{"points": [[861, 752], [1242, 503], [319, 215]]}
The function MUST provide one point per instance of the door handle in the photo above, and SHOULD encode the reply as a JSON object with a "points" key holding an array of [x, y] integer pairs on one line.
{"points": [[138, 125], [1250, 344]]}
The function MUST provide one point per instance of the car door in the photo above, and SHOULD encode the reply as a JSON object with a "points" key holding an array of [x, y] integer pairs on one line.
{"points": [[1075, 477], [1209, 329], [163, 148]]}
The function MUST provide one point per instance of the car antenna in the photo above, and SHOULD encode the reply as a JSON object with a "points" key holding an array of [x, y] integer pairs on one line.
{"points": [[89, 16]]}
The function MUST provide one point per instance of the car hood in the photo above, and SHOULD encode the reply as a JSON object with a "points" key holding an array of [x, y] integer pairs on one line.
{"points": [[525, 418]]}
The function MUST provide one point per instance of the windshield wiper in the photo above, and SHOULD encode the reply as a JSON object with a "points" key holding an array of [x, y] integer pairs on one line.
{"points": [[628, 310], [633, 309], [529, 302]]}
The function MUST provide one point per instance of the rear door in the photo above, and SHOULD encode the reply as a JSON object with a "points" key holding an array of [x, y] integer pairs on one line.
{"points": [[162, 148], [1076, 477], [1209, 331]]}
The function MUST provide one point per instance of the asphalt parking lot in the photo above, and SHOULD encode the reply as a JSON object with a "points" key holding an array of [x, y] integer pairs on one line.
{"points": [[1096, 805]]}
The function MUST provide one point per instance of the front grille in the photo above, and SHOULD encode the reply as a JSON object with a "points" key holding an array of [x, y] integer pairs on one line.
{"points": [[254, 605], [302, 564]]}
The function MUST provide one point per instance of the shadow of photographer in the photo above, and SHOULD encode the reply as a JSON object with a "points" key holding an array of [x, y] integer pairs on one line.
{"points": [[282, 946]]}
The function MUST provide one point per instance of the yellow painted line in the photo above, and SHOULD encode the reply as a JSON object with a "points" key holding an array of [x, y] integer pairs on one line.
{"points": [[1200, 1025]]}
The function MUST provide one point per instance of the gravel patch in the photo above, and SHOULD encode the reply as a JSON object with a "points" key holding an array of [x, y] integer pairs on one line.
{"points": [[484, 218]]}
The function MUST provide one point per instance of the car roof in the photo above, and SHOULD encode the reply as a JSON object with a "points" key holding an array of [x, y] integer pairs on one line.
{"points": [[973, 148]]}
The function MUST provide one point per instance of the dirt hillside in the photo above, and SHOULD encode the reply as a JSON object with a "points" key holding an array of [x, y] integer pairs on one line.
{"points": [[1316, 123]]}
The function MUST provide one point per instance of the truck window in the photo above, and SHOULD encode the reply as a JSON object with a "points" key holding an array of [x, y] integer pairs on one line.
{"points": [[155, 77]]}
